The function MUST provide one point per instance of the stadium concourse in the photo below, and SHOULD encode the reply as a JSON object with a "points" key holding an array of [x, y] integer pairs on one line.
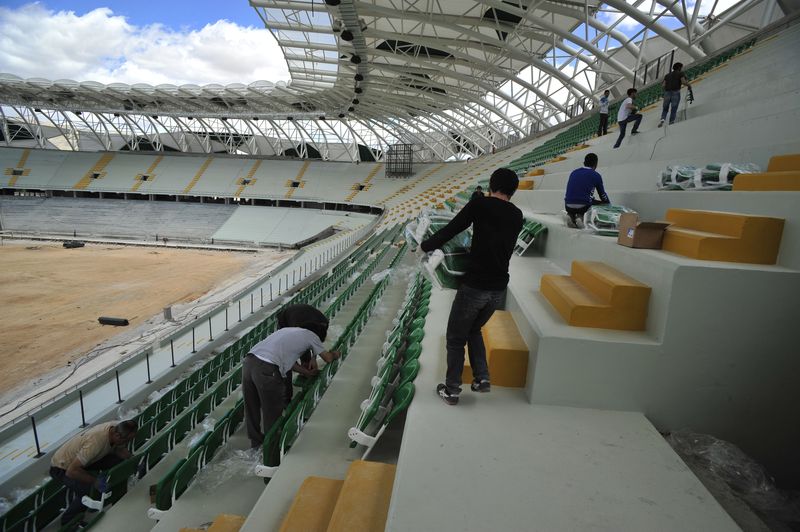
{"points": [[613, 367]]}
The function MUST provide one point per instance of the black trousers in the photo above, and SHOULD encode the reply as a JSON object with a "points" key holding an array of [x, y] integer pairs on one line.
{"points": [[602, 129], [76, 488]]}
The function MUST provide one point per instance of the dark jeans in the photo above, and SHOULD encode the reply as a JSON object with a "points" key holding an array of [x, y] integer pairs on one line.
{"points": [[471, 309], [636, 119], [574, 212], [264, 392], [602, 129], [671, 99], [77, 489]]}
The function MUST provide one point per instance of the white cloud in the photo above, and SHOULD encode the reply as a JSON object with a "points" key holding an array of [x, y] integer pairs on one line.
{"points": [[101, 46]]}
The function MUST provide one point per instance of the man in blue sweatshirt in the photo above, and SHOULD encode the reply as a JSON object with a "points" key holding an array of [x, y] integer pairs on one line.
{"points": [[580, 191]]}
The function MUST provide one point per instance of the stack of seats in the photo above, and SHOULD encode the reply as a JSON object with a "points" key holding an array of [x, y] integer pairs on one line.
{"points": [[398, 366], [597, 295]]}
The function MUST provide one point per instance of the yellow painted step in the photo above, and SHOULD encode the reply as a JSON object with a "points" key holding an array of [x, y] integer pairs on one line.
{"points": [[222, 523], [597, 295], [534, 172], [784, 163], [611, 285], [768, 181], [526, 184], [506, 352], [98, 168], [363, 502], [723, 236], [313, 505], [198, 175]]}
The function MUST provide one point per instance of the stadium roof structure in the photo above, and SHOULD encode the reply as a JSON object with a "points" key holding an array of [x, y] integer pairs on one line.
{"points": [[455, 78]]}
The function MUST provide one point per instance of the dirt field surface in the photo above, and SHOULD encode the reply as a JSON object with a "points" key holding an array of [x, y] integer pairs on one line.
{"points": [[51, 297]]}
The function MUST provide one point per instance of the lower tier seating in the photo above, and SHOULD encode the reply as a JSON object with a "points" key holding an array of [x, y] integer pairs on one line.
{"points": [[506, 352], [723, 236], [359, 503], [597, 295]]}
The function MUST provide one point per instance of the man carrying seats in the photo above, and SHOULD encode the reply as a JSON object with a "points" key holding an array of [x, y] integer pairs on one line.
{"points": [[496, 223], [580, 191], [98, 448]]}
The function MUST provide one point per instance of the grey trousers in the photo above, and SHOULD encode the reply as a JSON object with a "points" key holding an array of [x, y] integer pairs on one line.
{"points": [[264, 397]]}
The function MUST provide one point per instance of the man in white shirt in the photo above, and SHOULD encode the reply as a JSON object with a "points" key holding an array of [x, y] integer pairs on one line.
{"points": [[602, 129], [263, 373], [627, 113]]}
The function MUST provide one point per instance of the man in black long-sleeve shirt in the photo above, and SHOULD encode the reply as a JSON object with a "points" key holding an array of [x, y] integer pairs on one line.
{"points": [[496, 223]]}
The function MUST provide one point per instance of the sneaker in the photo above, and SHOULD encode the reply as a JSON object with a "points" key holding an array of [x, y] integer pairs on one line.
{"points": [[634, 133], [571, 223], [672, 122], [660, 123], [482, 386], [449, 398]]}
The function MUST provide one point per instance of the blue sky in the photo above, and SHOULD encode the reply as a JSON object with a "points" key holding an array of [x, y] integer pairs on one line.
{"points": [[139, 41], [175, 14]]}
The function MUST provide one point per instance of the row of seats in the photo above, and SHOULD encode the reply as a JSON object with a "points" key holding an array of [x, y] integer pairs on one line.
{"points": [[283, 432], [175, 482], [398, 366], [577, 134]]}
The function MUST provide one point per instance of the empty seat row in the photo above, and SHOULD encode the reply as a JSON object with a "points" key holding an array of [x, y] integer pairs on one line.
{"points": [[398, 366]]}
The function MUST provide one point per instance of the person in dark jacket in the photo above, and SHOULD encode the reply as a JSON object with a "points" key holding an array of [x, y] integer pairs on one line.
{"points": [[496, 223], [478, 194], [672, 92], [580, 190], [306, 317]]}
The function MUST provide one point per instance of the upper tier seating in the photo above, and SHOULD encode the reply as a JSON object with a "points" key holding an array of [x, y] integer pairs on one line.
{"points": [[723, 236], [783, 173]]}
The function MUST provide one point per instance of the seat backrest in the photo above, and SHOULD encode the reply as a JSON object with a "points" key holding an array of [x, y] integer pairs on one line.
{"points": [[186, 473], [165, 485], [401, 398], [408, 372], [49, 509]]}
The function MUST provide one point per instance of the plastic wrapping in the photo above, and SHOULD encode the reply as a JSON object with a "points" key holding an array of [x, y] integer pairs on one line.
{"points": [[445, 267], [604, 219], [743, 475], [714, 176]]}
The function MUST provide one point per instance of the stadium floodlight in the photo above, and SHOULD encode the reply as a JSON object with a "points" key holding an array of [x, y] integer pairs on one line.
{"points": [[358, 77], [346, 35], [355, 101], [333, 3], [356, 59]]}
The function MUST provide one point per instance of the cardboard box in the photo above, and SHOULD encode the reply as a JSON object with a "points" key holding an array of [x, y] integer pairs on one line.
{"points": [[643, 235]]}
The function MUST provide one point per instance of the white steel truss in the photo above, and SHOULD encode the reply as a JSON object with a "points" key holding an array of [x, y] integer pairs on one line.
{"points": [[455, 78]]}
